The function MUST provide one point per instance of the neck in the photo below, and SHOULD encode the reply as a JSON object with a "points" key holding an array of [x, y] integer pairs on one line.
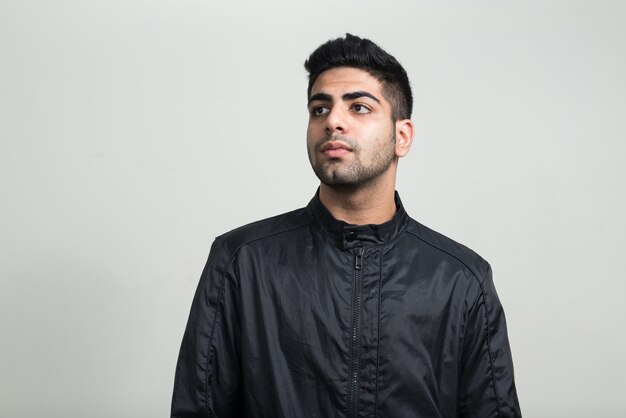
{"points": [[360, 206]]}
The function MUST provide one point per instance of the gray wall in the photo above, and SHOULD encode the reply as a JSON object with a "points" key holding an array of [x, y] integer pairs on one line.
{"points": [[133, 132]]}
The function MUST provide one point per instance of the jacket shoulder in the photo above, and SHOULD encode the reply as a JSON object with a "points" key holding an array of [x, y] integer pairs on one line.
{"points": [[233, 240], [450, 248]]}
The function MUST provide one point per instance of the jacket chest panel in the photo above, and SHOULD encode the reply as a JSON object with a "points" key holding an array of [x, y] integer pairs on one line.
{"points": [[339, 324]]}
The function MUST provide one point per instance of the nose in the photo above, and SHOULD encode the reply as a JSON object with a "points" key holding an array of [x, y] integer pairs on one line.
{"points": [[336, 121]]}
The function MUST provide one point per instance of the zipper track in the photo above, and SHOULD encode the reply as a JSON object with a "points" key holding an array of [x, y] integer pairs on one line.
{"points": [[355, 335]]}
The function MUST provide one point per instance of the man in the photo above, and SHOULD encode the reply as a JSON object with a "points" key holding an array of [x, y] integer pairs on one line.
{"points": [[347, 307]]}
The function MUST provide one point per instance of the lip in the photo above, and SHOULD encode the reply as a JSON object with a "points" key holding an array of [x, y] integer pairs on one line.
{"points": [[335, 149]]}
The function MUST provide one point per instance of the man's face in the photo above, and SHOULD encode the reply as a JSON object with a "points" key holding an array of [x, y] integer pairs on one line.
{"points": [[351, 135]]}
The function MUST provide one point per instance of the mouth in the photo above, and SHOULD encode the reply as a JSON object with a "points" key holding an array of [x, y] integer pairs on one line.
{"points": [[335, 149]]}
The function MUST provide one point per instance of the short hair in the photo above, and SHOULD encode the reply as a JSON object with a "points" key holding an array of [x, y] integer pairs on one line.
{"points": [[364, 54]]}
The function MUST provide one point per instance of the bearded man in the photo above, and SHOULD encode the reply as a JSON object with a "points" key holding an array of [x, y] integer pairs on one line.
{"points": [[347, 307]]}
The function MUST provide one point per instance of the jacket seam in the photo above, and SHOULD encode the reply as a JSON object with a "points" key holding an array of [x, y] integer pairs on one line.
{"points": [[491, 369], [220, 301], [482, 295], [208, 374], [380, 304], [250, 241], [449, 253]]}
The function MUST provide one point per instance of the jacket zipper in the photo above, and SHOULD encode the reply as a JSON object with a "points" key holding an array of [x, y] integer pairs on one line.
{"points": [[355, 335]]}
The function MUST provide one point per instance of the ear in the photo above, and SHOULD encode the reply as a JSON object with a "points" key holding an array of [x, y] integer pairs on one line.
{"points": [[404, 137]]}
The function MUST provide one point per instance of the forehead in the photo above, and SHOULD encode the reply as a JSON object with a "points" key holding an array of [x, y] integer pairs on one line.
{"points": [[341, 80]]}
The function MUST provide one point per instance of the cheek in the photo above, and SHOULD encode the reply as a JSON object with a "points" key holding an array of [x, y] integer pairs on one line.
{"points": [[310, 141], [312, 134], [313, 126]]}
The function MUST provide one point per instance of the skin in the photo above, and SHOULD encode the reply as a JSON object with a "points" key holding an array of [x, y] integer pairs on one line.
{"points": [[354, 145]]}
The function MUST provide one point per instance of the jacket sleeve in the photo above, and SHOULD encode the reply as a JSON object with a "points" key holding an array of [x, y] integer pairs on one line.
{"points": [[487, 386], [207, 382]]}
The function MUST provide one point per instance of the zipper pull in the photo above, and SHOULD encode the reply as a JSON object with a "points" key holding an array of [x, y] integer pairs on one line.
{"points": [[357, 258]]}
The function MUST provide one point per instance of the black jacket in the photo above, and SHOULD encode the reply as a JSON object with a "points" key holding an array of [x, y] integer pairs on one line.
{"points": [[301, 315]]}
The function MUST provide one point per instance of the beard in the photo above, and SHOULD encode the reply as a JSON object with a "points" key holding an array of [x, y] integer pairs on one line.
{"points": [[352, 174]]}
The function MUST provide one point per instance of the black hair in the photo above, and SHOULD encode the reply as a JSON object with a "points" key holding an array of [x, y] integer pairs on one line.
{"points": [[364, 54]]}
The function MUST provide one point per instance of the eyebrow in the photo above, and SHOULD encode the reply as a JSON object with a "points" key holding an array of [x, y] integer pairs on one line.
{"points": [[325, 97]]}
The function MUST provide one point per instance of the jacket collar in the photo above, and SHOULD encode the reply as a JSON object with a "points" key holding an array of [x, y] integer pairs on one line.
{"points": [[352, 236]]}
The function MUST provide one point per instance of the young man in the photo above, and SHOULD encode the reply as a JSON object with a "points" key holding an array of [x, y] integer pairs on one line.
{"points": [[347, 307]]}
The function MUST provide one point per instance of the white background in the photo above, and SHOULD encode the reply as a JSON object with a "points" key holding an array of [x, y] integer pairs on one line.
{"points": [[132, 132]]}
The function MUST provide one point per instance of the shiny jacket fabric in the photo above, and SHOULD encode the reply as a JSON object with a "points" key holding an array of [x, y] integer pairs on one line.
{"points": [[302, 315]]}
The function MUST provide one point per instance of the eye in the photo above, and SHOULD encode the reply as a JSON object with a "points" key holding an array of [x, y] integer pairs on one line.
{"points": [[359, 108], [319, 110]]}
